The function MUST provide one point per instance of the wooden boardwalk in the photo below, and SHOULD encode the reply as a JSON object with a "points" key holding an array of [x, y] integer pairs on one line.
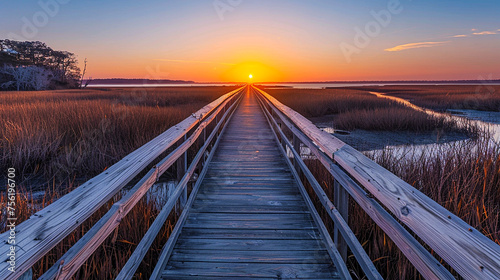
{"points": [[249, 218]]}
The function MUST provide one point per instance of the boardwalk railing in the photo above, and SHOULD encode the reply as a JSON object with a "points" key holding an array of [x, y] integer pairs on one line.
{"points": [[467, 251], [36, 236]]}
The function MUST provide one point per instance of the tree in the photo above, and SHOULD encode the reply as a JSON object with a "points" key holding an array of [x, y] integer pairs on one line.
{"points": [[62, 65], [18, 76], [40, 77], [27, 77]]}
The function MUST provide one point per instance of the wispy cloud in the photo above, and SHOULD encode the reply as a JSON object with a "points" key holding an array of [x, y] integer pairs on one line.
{"points": [[194, 61], [415, 46], [460, 36], [485, 33]]}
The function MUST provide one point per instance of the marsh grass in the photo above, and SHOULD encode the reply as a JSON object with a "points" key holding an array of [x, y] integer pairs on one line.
{"points": [[483, 97], [356, 109], [72, 133]]}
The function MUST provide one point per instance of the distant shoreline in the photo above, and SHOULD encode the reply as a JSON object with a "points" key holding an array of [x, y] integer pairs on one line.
{"points": [[120, 81]]}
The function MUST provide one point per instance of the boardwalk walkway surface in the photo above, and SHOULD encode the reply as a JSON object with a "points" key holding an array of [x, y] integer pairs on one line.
{"points": [[249, 219]]}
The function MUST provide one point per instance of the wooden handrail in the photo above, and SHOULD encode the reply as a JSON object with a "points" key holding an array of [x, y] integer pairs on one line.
{"points": [[357, 249], [46, 228], [470, 253], [425, 263], [172, 239], [135, 259], [68, 264]]}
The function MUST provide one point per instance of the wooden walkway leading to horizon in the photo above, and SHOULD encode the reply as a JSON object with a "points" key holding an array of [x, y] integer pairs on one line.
{"points": [[244, 206], [249, 217]]}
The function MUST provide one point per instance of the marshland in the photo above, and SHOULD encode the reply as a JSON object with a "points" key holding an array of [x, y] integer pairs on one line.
{"points": [[59, 139]]}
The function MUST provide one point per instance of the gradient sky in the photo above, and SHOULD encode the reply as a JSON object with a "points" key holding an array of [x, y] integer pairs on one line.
{"points": [[275, 40]]}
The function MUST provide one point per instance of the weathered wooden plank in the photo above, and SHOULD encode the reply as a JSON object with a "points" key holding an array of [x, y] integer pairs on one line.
{"points": [[249, 217], [278, 271], [249, 191], [221, 163], [213, 233], [225, 256], [249, 147], [263, 189], [243, 168], [250, 197], [250, 181], [235, 176], [236, 159], [249, 245], [210, 208], [204, 277], [305, 225], [246, 202]]}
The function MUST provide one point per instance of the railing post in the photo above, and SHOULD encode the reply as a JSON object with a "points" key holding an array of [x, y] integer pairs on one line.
{"points": [[205, 135], [181, 170], [341, 201], [296, 147]]}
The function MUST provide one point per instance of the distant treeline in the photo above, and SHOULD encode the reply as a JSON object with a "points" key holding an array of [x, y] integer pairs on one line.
{"points": [[32, 65], [119, 81]]}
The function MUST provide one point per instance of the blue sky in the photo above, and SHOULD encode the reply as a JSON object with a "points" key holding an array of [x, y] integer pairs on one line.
{"points": [[281, 40]]}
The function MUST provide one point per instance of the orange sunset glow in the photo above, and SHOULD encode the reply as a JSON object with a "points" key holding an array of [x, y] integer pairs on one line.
{"points": [[276, 41]]}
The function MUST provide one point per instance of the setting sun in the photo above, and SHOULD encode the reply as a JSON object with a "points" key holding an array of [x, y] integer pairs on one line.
{"points": [[250, 76]]}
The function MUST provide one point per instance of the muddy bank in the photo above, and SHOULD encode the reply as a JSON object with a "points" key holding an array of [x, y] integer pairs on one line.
{"points": [[366, 140], [485, 116]]}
